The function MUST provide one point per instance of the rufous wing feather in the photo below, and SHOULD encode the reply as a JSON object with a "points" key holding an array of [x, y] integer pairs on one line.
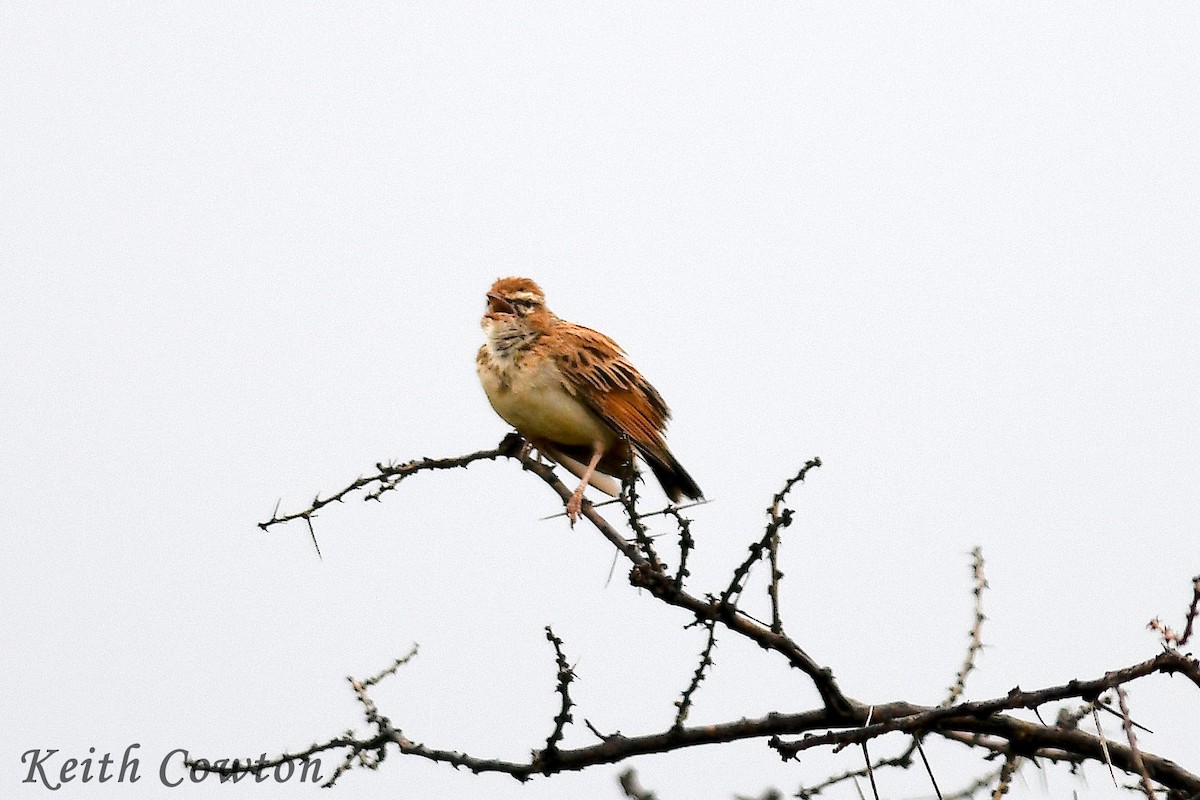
{"points": [[596, 369]]}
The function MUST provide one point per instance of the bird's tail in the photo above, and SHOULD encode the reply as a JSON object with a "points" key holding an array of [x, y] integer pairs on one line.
{"points": [[670, 473]]}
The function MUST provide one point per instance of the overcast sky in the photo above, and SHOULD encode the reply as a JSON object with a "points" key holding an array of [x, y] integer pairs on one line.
{"points": [[950, 248]]}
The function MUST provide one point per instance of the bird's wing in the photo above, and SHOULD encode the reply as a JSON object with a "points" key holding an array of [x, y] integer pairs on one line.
{"points": [[595, 369]]}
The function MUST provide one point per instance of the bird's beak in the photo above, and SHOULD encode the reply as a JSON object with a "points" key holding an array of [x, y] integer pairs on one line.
{"points": [[498, 304]]}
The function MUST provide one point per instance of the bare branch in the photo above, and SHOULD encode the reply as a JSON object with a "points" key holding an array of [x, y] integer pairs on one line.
{"points": [[1139, 765], [985, 717], [389, 476], [604, 737], [664, 589], [565, 676], [773, 586], [780, 518], [902, 761], [838, 722], [400, 662], [685, 703], [686, 543], [976, 633], [629, 500], [1169, 637], [1007, 770]]}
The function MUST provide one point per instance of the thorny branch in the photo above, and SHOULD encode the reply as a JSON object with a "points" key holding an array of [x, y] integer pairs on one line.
{"points": [[837, 722], [1143, 776], [388, 478], [685, 703], [904, 759], [976, 633], [628, 500], [565, 676], [686, 543], [1007, 771], [1169, 637], [779, 519]]}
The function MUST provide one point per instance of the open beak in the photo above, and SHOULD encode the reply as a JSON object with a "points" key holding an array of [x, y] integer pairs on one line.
{"points": [[499, 305]]}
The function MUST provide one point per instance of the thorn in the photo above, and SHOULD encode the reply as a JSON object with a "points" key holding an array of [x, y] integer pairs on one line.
{"points": [[593, 505], [313, 534], [1104, 747]]}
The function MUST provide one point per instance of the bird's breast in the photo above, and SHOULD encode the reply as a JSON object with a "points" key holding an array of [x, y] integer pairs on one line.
{"points": [[533, 399]]}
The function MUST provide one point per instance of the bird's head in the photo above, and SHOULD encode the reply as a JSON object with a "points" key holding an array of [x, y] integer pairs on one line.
{"points": [[516, 302]]}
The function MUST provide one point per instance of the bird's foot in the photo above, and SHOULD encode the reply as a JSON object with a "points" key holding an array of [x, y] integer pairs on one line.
{"points": [[574, 505]]}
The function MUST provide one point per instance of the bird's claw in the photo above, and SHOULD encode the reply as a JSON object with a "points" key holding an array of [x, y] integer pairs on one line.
{"points": [[574, 505]]}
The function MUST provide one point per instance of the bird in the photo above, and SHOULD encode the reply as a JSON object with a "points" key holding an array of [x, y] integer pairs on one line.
{"points": [[572, 393]]}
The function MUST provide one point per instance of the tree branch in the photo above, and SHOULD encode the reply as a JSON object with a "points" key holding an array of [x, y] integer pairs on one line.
{"points": [[1169, 637], [565, 676], [838, 722]]}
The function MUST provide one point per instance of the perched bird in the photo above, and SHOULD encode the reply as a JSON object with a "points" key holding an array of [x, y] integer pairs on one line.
{"points": [[572, 393]]}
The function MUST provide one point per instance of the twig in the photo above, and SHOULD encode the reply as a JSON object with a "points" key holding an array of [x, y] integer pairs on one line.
{"points": [[369, 752], [779, 519], [686, 544], [685, 703], [629, 499], [1007, 770], [604, 737], [1169, 637], [1139, 765], [388, 476], [902, 761], [979, 583], [565, 676], [773, 586], [374, 679]]}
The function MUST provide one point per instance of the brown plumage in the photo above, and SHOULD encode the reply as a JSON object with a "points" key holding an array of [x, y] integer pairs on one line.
{"points": [[572, 393]]}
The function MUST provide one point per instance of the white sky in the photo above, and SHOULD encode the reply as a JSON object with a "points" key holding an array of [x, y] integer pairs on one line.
{"points": [[950, 248]]}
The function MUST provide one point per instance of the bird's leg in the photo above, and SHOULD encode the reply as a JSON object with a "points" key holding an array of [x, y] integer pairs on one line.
{"points": [[536, 447], [576, 500]]}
